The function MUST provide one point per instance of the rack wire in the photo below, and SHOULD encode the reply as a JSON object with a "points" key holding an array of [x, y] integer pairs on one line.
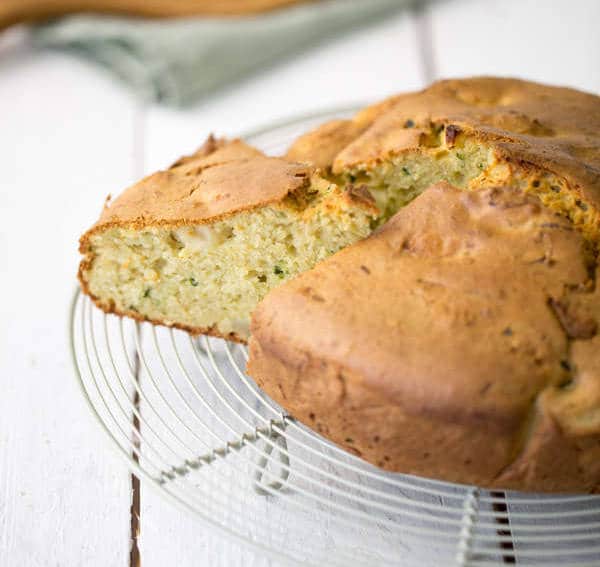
{"points": [[188, 420]]}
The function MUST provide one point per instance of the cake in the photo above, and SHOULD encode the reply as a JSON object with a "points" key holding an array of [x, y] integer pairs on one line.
{"points": [[458, 342], [425, 276], [198, 245]]}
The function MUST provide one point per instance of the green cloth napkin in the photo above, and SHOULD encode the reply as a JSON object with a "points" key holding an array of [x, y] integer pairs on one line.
{"points": [[178, 61]]}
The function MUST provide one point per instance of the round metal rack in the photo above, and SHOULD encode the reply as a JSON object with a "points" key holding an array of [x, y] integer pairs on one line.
{"points": [[192, 424]]}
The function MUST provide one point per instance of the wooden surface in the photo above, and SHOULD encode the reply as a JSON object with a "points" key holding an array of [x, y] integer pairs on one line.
{"points": [[69, 135]]}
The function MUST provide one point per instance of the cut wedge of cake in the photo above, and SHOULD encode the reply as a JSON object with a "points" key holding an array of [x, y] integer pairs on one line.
{"points": [[199, 245]]}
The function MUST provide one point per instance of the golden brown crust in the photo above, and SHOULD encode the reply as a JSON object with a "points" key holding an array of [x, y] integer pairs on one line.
{"points": [[548, 128], [320, 147], [453, 362], [207, 186]]}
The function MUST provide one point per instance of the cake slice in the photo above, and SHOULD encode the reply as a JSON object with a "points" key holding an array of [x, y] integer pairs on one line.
{"points": [[199, 245]]}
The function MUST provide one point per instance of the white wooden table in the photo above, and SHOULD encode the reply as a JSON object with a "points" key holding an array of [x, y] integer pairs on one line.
{"points": [[69, 135]]}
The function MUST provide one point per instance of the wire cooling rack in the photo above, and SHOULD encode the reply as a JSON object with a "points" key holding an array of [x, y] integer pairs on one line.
{"points": [[190, 423]]}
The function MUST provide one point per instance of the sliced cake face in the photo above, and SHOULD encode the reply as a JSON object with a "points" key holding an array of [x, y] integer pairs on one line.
{"points": [[456, 342], [472, 133], [199, 245]]}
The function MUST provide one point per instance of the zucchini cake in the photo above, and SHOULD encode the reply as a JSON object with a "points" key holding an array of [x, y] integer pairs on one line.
{"points": [[458, 341], [199, 245]]}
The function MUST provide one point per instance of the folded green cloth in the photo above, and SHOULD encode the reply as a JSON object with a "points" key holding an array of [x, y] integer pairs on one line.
{"points": [[178, 61]]}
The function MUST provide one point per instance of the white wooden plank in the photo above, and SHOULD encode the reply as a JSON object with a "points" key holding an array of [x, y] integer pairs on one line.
{"points": [[367, 65], [171, 537], [555, 41], [65, 142]]}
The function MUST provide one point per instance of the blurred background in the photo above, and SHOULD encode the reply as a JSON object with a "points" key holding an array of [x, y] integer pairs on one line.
{"points": [[107, 91]]}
